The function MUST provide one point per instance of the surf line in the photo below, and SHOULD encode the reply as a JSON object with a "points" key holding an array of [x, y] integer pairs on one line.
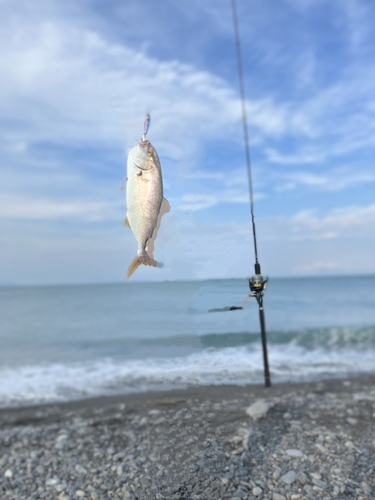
{"points": [[257, 282]]}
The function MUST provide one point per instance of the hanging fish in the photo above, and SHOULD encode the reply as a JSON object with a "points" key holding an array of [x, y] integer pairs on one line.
{"points": [[144, 199]]}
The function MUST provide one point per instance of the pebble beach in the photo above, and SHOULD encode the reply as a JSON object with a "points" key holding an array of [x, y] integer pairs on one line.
{"points": [[293, 441]]}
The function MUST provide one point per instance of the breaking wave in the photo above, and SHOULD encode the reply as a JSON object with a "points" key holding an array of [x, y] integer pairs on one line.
{"points": [[225, 359]]}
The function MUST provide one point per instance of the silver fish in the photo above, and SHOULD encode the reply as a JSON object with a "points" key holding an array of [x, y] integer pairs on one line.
{"points": [[145, 202]]}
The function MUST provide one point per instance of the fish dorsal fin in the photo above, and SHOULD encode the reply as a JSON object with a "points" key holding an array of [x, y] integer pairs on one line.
{"points": [[165, 207], [126, 222]]}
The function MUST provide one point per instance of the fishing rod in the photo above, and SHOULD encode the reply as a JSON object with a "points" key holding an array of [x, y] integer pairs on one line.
{"points": [[257, 282]]}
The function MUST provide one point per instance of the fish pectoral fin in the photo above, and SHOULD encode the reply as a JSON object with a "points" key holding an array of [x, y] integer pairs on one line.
{"points": [[126, 222]]}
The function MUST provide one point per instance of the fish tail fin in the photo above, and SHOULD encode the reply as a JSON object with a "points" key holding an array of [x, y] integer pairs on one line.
{"points": [[144, 259]]}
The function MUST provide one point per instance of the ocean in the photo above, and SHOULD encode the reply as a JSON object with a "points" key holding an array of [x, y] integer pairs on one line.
{"points": [[60, 343]]}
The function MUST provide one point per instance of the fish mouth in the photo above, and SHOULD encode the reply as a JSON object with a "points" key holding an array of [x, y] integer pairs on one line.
{"points": [[144, 144]]}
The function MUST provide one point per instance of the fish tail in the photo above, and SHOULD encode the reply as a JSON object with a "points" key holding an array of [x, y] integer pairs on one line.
{"points": [[144, 259]]}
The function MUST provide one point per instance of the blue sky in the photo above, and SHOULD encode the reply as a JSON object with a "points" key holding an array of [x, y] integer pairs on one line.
{"points": [[77, 80]]}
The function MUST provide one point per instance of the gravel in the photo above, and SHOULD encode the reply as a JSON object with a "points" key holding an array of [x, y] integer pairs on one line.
{"points": [[199, 443]]}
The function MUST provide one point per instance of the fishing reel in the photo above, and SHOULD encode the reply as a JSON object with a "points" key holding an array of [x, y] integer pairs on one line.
{"points": [[257, 282]]}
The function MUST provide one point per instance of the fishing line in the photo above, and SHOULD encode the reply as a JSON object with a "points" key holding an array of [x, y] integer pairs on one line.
{"points": [[257, 283]]}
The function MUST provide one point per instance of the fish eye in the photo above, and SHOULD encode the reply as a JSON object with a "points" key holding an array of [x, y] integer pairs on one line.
{"points": [[149, 152]]}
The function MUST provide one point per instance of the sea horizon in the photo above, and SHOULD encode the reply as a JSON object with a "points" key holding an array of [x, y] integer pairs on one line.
{"points": [[133, 281]]}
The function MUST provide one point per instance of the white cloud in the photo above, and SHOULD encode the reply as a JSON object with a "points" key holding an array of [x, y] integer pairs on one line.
{"points": [[335, 120], [305, 243], [49, 209], [208, 190], [335, 179], [302, 157], [320, 265], [195, 202], [201, 174], [70, 85], [359, 16], [301, 244], [340, 241], [356, 219]]}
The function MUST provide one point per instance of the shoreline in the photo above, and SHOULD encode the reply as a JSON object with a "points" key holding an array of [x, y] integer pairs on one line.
{"points": [[183, 391], [304, 440]]}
